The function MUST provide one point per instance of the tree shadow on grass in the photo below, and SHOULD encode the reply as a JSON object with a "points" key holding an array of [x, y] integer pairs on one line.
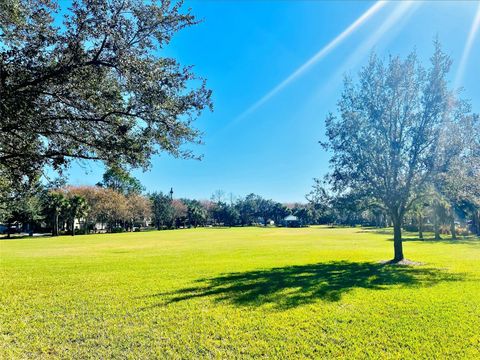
{"points": [[292, 286]]}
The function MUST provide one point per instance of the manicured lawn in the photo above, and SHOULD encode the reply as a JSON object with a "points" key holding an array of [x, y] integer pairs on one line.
{"points": [[238, 293]]}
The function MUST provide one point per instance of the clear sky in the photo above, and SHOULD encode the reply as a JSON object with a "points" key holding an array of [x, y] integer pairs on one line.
{"points": [[263, 138]]}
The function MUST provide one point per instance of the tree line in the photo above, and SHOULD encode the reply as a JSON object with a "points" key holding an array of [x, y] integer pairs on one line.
{"points": [[119, 203]]}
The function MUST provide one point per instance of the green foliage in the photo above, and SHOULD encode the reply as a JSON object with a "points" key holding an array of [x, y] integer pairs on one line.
{"points": [[120, 180], [77, 209], [225, 214], [161, 209], [196, 213], [95, 87], [55, 206], [391, 139], [239, 293]]}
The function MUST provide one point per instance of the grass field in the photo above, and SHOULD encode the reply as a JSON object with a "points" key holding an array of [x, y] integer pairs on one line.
{"points": [[238, 293]]}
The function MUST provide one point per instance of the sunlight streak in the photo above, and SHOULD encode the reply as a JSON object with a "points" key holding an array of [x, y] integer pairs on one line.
{"points": [[317, 57], [389, 28], [468, 47]]}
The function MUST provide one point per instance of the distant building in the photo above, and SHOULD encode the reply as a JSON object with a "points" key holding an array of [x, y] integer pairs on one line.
{"points": [[292, 221]]}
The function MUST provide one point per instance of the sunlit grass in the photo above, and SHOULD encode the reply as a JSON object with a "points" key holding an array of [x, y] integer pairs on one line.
{"points": [[240, 292]]}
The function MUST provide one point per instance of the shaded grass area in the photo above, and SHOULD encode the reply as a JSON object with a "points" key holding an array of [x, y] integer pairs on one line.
{"points": [[428, 236], [237, 293], [292, 286]]}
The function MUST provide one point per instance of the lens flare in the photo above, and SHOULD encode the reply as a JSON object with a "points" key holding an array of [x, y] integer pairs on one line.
{"points": [[317, 57], [386, 31], [468, 48]]}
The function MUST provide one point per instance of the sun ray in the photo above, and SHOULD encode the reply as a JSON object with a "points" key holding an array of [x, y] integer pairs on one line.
{"points": [[389, 28], [468, 48], [317, 57]]}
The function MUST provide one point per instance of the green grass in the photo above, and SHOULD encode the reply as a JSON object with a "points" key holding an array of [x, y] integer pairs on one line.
{"points": [[238, 293]]}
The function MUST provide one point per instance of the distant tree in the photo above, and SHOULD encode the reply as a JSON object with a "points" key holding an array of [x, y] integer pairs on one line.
{"points": [[226, 214], [278, 212], [120, 180], [162, 210], [321, 199], [460, 184], [77, 208], [95, 87], [439, 211], [419, 212], [93, 197], [304, 213], [196, 213], [25, 209], [139, 209], [251, 208], [218, 196], [388, 142], [209, 207], [109, 207], [112, 208], [179, 213], [55, 205]]}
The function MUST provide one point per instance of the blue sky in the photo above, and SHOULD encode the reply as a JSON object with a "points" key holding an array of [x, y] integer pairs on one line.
{"points": [[246, 48]]}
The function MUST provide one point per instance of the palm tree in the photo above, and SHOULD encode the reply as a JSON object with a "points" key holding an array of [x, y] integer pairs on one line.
{"points": [[56, 204], [78, 208]]}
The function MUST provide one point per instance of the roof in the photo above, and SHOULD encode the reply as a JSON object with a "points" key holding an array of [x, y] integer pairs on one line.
{"points": [[291, 218]]}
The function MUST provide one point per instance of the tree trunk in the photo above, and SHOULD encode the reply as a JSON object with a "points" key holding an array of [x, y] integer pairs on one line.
{"points": [[452, 224], [397, 240], [436, 226], [55, 225], [420, 227], [73, 227], [476, 222], [9, 230]]}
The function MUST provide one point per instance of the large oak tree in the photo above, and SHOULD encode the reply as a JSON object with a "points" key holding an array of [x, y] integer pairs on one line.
{"points": [[90, 82], [390, 138]]}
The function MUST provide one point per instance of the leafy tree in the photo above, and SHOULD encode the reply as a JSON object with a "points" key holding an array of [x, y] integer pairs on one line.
{"points": [[388, 140], [112, 208], [92, 196], [179, 213], [218, 196], [139, 209], [304, 213], [439, 211], [94, 88], [55, 205], [25, 209], [226, 214], [419, 211], [278, 212], [251, 208], [162, 210], [196, 213], [120, 180], [460, 184], [77, 208]]}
